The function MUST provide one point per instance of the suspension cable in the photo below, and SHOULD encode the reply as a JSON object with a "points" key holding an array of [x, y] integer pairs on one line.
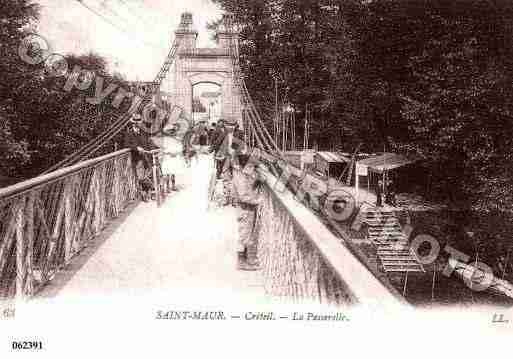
{"points": [[116, 26], [259, 132], [118, 125], [240, 83], [261, 145], [142, 19], [259, 121]]}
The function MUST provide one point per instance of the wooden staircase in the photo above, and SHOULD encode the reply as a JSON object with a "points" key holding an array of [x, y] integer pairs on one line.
{"points": [[393, 250]]}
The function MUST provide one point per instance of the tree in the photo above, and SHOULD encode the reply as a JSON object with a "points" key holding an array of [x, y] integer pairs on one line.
{"points": [[446, 70], [427, 78], [15, 17], [42, 122]]}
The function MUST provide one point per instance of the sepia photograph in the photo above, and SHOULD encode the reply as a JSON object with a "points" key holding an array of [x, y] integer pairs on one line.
{"points": [[256, 177]]}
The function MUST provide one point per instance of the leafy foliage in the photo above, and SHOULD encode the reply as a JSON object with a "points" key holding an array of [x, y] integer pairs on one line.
{"points": [[42, 122], [427, 78]]}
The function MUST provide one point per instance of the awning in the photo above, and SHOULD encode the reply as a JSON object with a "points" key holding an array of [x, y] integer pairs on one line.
{"points": [[387, 161], [333, 157]]}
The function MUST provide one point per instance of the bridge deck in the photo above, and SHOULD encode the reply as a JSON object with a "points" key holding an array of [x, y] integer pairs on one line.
{"points": [[181, 249]]}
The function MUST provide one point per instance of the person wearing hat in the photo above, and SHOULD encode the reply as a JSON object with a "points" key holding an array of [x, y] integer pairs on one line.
{"points": [[238, 133], [211, 131], [171, 162], [247, 192], [226, 156], [141, 163], [217, 139], [188, 148], [224, 147], [202, 134]]}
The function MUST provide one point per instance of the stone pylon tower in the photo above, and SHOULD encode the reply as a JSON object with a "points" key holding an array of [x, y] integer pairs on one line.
{"points": [[195, 65]]}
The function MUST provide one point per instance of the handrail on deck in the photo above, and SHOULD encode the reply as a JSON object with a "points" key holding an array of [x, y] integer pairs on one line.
{"points": [[35, 182], [46, 221], [303, 259]]}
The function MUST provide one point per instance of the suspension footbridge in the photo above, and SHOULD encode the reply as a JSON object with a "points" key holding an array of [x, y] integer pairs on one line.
{"points": [[52, 222]]}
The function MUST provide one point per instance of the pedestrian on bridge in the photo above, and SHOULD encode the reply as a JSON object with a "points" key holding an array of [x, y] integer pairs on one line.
{"points": [[202, 134], [188, 148], [211, 131], [224, 151], [141, 161], [170, 161], [247, 191], [217, 139], [196, 142]]}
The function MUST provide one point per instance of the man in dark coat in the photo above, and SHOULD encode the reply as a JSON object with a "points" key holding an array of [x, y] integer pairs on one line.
{"points": [[211, 132], [217, 136], [188, 148], [226, 147], [202, 134], [138, 143], [238, 133], [141, 162], [217, 140]]}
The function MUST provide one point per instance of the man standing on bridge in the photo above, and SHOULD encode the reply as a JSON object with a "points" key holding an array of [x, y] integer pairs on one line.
{"points": [[217, 140], [224, 147], [141, 163], [246, 186]]}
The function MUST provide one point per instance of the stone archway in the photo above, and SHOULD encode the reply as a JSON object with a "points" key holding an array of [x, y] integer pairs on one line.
{"points": [[212, 83], [195, 65]]}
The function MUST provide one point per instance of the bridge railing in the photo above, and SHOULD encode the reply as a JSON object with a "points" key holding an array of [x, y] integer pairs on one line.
{"points": [[46, 221], [305, 262]]}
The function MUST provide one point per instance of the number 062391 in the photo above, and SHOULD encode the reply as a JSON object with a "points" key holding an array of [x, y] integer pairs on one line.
{"points": [[27, 345]]}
